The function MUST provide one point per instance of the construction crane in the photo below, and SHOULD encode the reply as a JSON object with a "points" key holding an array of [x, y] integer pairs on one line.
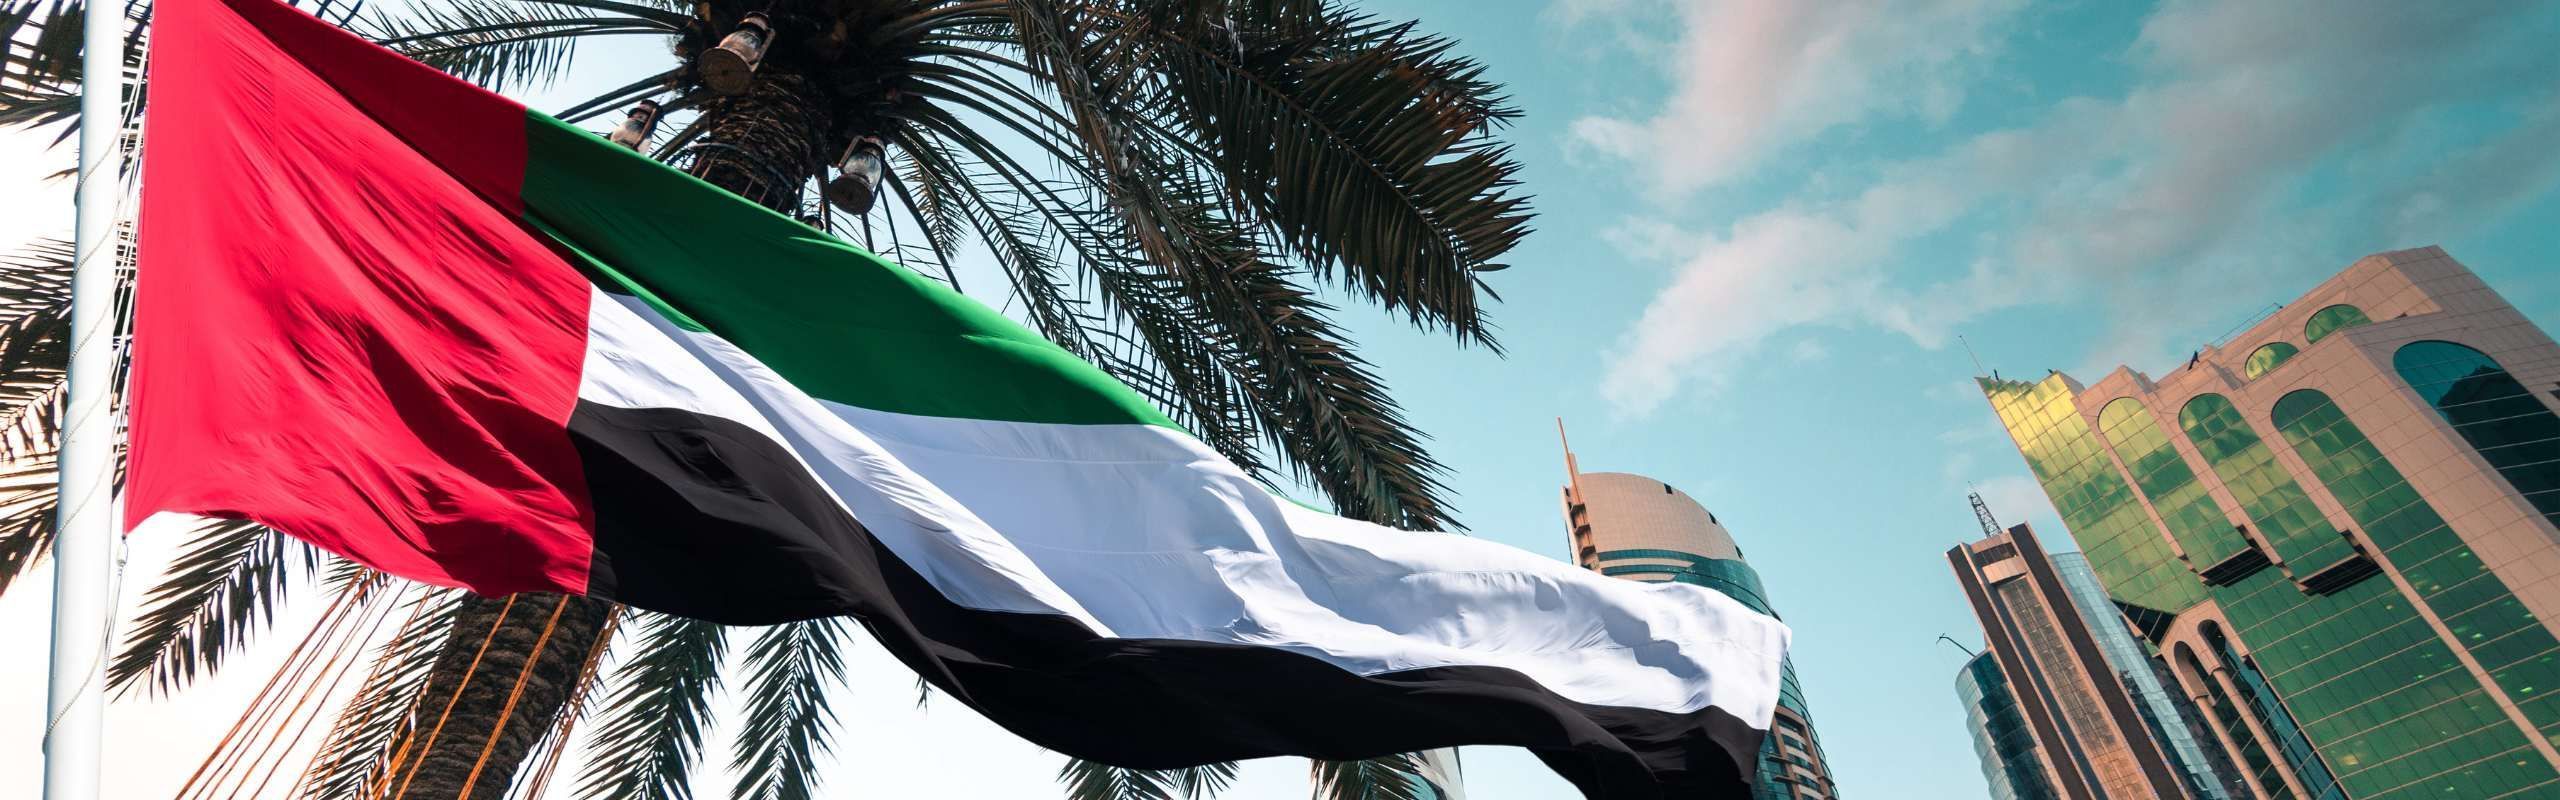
{"points": [[1982, 514]]}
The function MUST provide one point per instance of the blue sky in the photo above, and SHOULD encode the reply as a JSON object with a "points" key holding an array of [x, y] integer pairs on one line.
{"points": [[1762, 226]]}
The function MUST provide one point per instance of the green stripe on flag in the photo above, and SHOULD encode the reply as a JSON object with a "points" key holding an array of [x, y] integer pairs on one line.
{"points": [[840, 323]]}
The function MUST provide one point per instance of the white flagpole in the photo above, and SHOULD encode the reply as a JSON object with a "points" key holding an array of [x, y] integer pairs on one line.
{"points": [[84, 544]]}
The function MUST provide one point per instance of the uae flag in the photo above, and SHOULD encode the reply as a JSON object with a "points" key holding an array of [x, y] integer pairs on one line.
{"points": [[407, 320]]}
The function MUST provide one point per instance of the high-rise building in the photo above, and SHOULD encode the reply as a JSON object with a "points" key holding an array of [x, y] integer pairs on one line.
{"points": [[1641, 529], [2337, 526], [2012, 762], [2093, 697]]}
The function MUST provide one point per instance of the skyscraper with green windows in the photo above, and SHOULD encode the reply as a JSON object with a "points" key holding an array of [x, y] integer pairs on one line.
{"points": [[1640, 529], [2337, 528]]}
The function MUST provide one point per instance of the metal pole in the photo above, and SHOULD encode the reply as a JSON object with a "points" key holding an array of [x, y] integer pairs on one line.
{"points": [[84, 543]]}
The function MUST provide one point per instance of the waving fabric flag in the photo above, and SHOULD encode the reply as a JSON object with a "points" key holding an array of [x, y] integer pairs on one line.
{"points": [[405, 319]]}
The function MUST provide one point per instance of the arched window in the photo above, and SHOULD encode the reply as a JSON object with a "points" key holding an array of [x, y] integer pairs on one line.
{"points": [[2266, 358], [2479, 607], [2162, 475], [2284, 514], [2332, 320], [2502, 420]]}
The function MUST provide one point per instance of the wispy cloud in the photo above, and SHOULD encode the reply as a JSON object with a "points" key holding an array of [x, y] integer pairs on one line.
{"points": [[2194, 177], [1751, 76]]}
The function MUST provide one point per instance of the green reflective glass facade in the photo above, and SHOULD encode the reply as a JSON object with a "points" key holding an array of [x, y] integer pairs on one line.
{"points": [[2285, 516], [2356, 671], [2266, 358], [2096, 503], [2479, 608], [2001, 738], [2332, 320], [2503, 422], [2161, 473]]}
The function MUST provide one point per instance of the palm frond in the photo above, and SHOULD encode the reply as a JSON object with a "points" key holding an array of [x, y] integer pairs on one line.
{"points": [[35, 328], [1094, 780], [26, 515], [1361, 144], [1205, 781], [1030, 226], [509, 44], [1316, 401], [1386, 778], [40, 39], [654, 718], [371, 730], [220, 592], [787, 722]]}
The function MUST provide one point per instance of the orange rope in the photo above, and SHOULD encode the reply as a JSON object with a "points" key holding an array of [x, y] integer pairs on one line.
{"points": [[576, 708], [448, 706], [326, 658], [340, 730], [352, 646], [258, 704], [490, 744], [409, 732]]}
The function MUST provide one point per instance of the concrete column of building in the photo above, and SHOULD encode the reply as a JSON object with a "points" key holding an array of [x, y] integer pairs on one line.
{"points": [[2189, 638], [2095, 669], [2286, 769], [2230, 747]]}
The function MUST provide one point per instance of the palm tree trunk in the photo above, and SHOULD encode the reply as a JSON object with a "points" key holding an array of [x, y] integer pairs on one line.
{"points": [[763, 145], [482, 684]]}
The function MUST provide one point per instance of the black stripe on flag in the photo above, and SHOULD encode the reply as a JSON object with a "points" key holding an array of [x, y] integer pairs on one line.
{"points": [[705, 517]]}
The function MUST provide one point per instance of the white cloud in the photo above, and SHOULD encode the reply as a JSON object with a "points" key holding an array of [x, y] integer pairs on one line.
{"points": [[2188, 181], [1751, 76], [2017, 498]]}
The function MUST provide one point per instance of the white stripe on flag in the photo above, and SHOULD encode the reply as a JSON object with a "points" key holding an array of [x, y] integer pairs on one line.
{"points": [[1140, 531]]}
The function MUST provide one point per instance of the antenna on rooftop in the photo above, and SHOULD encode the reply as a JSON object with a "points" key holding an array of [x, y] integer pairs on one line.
{"points": [[1968, 652], [1982, 512], [1571, 469], [1968, 353]]}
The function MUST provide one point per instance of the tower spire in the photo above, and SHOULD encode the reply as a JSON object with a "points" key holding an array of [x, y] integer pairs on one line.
{"points": [[1982, 513], [1571, 470]]}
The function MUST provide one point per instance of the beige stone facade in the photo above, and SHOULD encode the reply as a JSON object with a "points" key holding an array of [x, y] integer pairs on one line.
{"points": [[2353, 535]]}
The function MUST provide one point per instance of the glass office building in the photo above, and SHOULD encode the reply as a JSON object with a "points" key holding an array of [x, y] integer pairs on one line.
{"points": [[2171, 718], [2012, 763], [2106, 727], [2107, 724], [2337, 528], [1638, 528]]}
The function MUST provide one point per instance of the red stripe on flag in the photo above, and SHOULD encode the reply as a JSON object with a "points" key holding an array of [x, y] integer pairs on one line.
{"points": [[342, 330]]}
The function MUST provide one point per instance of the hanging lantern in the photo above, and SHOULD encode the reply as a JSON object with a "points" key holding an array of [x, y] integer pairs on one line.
{"points": [[636, 128], [857, 182], [731, 66]]}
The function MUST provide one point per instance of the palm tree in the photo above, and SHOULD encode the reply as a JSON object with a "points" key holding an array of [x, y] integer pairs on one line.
{"points": [[1166, 186]]}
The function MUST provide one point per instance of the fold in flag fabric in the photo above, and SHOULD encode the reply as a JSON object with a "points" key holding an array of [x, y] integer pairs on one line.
{"points": [[403, 318]]}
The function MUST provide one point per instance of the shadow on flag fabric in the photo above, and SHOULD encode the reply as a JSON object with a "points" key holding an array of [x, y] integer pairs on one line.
{"points": [[408, 320]]}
